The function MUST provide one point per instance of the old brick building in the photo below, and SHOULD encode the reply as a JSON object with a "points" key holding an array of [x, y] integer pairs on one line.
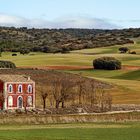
{"points": [[17, 91]]}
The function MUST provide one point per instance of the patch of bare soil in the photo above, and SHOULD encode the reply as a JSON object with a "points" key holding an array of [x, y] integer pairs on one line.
{"points": [[127, 67], [60, 67], [124, 67]]}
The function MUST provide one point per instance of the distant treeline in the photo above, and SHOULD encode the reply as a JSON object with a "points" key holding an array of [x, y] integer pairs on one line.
{"points": [[62, 40]]}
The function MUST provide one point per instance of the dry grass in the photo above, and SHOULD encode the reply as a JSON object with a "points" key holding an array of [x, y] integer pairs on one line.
{"points": [[47, 119]]}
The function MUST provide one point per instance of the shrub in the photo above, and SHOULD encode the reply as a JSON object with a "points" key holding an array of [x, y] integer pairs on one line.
{"points": [[133, 52], [7, 64], [65, 50], [123, 49], [107, 63], [24, 51], [14, 54], [51, 50]]}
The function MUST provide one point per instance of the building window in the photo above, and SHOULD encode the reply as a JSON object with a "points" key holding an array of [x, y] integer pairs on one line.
{"points": [[20, 88], [29, 88], [10, 101], [19, 102], [10, 88], [29, 101]]}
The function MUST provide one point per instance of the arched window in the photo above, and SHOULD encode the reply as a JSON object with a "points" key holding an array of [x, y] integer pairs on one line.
{"points": [[30, 89], [10, 101], [10, 88], [20, 88], [29, 101], [20, 102]]}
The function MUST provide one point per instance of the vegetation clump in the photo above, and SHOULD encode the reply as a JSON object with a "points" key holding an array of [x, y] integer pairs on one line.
{"points": [[26, 40], [123, 49], [7, 64], [107, 63], [133, 52]]}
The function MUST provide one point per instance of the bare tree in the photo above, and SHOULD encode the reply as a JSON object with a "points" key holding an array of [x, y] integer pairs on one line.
{"points": [[104, 99], [81, 90], [55, 84], [43, 91], [2, 100], [66, 90], [62, 90], [93, 98], [44, 96], [109, 101], [25, 103]]}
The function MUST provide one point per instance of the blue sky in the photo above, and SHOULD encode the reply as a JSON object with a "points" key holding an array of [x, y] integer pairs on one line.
{"points": [[70, 13]]}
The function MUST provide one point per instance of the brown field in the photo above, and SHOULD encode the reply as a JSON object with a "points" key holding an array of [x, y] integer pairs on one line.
{"points": [[43, 84]]}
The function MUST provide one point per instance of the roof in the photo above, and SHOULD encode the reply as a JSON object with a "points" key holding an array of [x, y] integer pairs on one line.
{"points": [[15, 78]]}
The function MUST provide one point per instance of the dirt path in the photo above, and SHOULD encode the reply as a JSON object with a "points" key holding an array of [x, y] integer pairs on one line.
{"points": [[124, 67], [60, 67]]}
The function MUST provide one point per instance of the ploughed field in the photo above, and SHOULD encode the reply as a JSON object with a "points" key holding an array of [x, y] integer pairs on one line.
{"points": [[126, 80], [89, 131]]}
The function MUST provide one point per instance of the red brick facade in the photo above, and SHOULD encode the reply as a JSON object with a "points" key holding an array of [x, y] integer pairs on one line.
{"points": [[17, 95]]}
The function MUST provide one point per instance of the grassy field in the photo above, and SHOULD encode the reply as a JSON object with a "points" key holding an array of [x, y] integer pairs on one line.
{"points": [[91, 131], [80, 57]]}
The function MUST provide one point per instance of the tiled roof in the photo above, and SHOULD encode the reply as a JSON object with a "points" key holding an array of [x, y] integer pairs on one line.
{"points": [[15, 78]]}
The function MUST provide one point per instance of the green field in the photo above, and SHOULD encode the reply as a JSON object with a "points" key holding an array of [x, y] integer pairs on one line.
{"points": [[75, 58], [91, 131]]}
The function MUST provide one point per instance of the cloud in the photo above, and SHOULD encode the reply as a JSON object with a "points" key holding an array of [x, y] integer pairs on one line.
{"points": [[65, 22]]}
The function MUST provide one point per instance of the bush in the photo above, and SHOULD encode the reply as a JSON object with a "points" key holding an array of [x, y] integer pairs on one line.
{"points": [[65, 50], [7, 64], [133, 52], [107, 63], [14, 54], [51, 50], [123, 49], [24, 51]]}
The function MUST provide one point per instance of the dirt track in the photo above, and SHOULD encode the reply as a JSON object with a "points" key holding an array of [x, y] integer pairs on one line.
{"points": [[124, 67], [60, 67]]}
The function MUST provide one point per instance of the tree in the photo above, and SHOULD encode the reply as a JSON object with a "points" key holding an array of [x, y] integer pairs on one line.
{"points": [[24, 51], [25, 103], [81, 90], [1, 50], [104, 99], [107, 63], [93, 99], [43, 94], [55, 84], [62, 90], [1, 100], [123, 49], [65, 50], [66, 90]]}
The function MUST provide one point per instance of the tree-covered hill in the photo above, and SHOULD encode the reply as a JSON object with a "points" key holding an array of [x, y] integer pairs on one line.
{"points": [[62, 40]]}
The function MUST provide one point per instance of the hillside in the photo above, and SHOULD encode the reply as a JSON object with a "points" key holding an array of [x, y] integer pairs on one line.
{"points": [[62, 40]]}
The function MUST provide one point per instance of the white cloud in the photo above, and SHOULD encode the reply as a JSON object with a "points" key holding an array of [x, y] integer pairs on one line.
{"points": [[71, 22]]}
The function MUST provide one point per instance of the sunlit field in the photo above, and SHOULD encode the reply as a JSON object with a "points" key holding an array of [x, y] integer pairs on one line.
{"points": [[91, 131], [75, 58]]}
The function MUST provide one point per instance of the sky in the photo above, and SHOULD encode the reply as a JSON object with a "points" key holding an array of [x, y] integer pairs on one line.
{"points": [[99, 14]]}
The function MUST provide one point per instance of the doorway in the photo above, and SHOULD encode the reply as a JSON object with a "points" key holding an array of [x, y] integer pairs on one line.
{"points": [[20, 102]]}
